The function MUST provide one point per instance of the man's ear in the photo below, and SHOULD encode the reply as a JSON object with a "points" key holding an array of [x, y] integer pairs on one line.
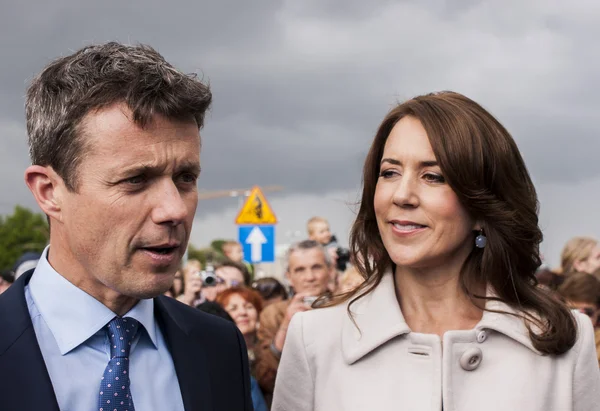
{"points": [[46, 187]]}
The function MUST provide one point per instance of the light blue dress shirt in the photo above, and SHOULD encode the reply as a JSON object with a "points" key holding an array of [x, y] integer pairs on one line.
{"points": [[68, 325]]}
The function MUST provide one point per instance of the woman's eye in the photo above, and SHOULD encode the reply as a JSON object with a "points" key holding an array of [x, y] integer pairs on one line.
{"points": [[434, 178], [387, 173]]}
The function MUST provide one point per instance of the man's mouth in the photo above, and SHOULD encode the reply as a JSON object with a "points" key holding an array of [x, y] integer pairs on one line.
{"points": [[163, 250]]}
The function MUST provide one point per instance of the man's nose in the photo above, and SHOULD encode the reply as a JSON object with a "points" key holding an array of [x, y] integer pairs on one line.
{"points": [[170, 206], [311, 275]]}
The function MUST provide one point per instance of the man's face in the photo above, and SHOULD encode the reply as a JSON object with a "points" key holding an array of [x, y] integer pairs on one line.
{"points": [[308, 271], [127, 227]]}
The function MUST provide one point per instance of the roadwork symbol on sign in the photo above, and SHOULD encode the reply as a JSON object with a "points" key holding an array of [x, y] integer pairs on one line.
{"points": [[256, 210]]}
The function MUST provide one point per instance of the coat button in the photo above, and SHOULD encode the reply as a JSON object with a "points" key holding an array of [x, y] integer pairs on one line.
{"points": [[481, 336], [471, 359]]}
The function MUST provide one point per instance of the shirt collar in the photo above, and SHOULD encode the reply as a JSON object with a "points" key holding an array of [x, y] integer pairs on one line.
{"points": [[56, 299], [378, 319]]}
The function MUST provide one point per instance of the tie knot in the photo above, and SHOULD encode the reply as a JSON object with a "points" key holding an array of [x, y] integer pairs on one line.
{"points": [[121, 332]]}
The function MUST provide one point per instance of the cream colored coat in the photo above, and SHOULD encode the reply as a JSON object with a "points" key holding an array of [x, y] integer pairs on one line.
{"points": [[328, 365]]}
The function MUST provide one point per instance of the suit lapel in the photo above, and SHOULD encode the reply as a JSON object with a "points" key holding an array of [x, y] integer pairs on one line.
{"points": [[189, 358], [20, 354]]}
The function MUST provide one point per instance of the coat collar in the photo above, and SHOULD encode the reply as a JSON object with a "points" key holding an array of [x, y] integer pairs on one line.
{"points": [[20, 354], [189, 357], [378, 319]]}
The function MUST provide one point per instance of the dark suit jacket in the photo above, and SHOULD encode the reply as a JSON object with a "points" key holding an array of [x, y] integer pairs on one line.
{"points": [[209, 354]]}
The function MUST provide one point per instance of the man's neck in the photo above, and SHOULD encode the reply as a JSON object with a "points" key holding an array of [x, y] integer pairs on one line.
{"points": [[67, 266]]}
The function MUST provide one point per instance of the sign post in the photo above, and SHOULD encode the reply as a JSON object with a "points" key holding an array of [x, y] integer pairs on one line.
{"points": [[256, 228]]}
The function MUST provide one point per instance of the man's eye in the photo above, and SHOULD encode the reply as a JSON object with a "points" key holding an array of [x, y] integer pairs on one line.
{"points": [[137, 180], [189, 178]]}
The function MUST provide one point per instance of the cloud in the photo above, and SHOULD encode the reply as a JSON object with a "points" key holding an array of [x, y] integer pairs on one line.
{"points": [[300, 87]]}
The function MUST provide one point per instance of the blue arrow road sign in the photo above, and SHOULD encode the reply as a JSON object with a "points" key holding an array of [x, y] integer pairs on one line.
{"points": [[258, 242]]}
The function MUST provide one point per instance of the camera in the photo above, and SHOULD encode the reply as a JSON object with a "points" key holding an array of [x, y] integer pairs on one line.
{"points": [[343, 254], [209, 278], [343, 258]]}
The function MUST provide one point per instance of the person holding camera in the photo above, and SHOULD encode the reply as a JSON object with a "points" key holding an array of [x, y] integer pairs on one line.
{"points": [[319, 231], [205, 285], [308, 267]]}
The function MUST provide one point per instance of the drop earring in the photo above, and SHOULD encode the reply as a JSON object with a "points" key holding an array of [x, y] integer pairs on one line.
{"points": [[480, 240]]}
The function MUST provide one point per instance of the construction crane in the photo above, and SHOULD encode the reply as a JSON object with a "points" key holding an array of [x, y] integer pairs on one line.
{"points": [[240, 193]]}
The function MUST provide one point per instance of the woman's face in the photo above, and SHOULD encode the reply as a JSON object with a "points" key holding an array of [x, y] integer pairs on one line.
{"points": [[231, 275], [591, 264], [420, 219], [243, 313]]}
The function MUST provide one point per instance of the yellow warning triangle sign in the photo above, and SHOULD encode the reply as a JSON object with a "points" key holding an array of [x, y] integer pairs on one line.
{"points": [[256, 210]]}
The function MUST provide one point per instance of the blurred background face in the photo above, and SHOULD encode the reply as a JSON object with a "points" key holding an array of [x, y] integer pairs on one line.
{"points": [[234, 253], [308, 272], [420, 219], [231, 276], [591, 264], [126, 228], [243, 313], [320, 232], [190, 271]]}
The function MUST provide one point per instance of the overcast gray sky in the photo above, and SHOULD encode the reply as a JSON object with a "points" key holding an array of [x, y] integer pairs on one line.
{"points": [[301, 85]]}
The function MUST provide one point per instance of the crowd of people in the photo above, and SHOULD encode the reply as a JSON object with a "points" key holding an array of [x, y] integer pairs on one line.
{"points": [[263, 308], [439, 303]]}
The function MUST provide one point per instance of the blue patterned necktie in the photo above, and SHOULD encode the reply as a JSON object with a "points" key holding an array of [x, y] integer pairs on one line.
{"points": [[114, 387]]}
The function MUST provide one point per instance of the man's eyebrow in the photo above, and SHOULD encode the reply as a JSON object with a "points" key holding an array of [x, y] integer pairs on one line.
{"points": [[189, 166], [153, 169], [430, 163]]}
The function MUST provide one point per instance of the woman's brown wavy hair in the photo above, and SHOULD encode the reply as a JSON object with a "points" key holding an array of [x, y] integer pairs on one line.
{"points": [[482, 164]]}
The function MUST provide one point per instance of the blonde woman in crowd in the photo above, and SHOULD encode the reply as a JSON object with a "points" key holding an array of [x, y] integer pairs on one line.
{"points": [[580, 254], [449, 317]]}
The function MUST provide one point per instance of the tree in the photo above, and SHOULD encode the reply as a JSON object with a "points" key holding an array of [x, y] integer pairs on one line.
{"points": [[205, 254], [20, 232], [218, 245]]}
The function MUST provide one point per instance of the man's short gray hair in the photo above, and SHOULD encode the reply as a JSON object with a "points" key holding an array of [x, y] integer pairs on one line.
{"points": [[308, 245], [96, 77]]}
